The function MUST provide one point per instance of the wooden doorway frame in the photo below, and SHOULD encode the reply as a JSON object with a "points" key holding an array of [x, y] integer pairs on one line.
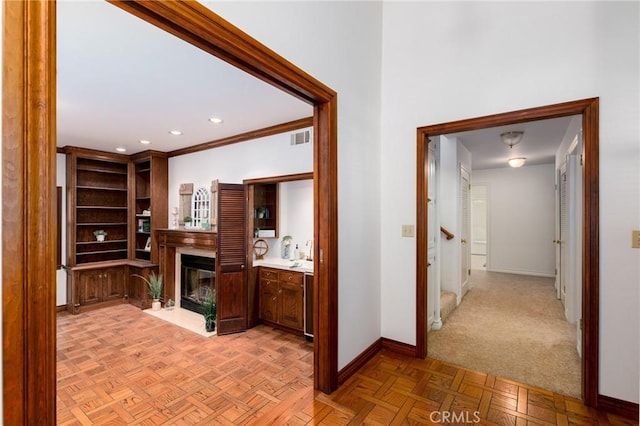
{"points": [[589, 109], [29, 190]]}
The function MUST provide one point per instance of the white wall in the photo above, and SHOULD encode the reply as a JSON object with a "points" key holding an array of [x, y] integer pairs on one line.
{"points": [[586, 49], [295, 216], [522, 220], [339, 43], [61, 275]]}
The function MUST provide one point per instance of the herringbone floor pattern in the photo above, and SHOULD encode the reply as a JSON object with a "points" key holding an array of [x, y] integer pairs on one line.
{"points": [[117, 366]]}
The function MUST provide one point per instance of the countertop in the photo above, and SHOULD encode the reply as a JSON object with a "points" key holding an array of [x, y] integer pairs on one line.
{"points": [[305, 266]]}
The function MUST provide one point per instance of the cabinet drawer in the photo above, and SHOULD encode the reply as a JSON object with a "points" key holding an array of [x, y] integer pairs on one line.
{"points": [[291, 277], [268, 273]]}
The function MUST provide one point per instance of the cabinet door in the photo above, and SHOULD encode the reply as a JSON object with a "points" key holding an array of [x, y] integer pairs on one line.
{"points": [[89, 287], [291, 307], [268, 300], [114, 283]]}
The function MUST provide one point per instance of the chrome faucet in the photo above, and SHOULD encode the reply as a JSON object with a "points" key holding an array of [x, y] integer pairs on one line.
{"points": [[309, 244]]}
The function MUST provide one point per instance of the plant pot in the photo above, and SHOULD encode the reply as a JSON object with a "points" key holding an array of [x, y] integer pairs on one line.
{"points": [[209, 327], [156, 305], [100, 238]]}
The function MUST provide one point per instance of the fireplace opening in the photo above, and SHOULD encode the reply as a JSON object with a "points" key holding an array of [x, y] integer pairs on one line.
{"points": [[197, 278]]}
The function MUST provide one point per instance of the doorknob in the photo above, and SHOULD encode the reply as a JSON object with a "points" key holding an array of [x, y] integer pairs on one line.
{"points": [[463, 241], [428, 264], [558, 241]]}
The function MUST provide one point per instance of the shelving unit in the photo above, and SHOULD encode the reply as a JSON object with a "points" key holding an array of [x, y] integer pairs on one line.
{"points": [[149, 195], [99, 195], [115, 193], [265, 195], [142, 241]]}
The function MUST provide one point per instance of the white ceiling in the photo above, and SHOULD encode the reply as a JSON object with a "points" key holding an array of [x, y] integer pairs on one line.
{"points": [[539, 143], [121, 79]]}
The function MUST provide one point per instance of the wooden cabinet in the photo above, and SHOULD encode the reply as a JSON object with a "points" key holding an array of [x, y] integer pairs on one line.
{"points": [[97, 194], [281, 296], [96, 285]]}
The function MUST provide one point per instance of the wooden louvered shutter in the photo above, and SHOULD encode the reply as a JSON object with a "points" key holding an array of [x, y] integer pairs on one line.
{"points": [[230, 261]]}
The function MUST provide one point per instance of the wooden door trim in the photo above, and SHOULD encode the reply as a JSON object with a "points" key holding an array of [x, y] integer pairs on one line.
{"points": [[588, 108], [28, 213], [29, 164]]}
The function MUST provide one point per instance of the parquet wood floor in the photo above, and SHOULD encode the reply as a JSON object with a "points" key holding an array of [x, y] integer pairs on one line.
{"points": [[118, 366]]}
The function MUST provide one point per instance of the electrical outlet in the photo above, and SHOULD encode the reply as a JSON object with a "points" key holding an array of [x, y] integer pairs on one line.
{"points": [[408, 231], [635, 239]]}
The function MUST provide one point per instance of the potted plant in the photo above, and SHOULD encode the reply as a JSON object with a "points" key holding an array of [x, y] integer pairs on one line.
{"points": [[155, 288], [261, 212], [209, 310], [187, 221], [100, 234]]}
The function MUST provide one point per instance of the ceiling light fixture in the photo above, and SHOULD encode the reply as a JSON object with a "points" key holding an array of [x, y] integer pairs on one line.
{"points": [[215, 120], [144, 142], [511, 138], [517, 162], [121, 149], [175, 132]]}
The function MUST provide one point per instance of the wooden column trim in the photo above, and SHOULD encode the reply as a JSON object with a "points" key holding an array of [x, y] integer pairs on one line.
{"points": [[28, 213]]}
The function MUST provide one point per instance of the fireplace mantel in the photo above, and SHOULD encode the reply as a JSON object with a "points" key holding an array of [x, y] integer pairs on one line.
{"points": [[194, 238], [171, 239]]}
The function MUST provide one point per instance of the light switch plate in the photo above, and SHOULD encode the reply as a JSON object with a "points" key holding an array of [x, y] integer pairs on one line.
{"points": [[635, 239], [408, 231]]}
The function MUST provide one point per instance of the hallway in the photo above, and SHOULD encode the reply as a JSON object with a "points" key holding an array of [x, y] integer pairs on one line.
{"points": [[512, 326]]}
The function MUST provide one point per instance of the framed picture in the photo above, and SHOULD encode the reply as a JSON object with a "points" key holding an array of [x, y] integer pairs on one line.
{"points": [[147, 247]]}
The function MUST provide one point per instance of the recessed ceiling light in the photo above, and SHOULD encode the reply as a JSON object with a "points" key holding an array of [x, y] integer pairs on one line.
{"points": [[175, 132], [215, 120], [121, 149], [144, 142]]}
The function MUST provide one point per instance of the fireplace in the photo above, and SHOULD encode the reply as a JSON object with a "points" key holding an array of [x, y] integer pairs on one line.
{"points": [[197, 278]]}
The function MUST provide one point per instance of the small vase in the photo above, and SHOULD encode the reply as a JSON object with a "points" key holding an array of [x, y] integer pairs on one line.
{"points": [[156, 305], [100, 238]]}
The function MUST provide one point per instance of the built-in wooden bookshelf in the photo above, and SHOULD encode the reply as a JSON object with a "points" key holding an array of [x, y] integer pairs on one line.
{"points": [[98, 200]]}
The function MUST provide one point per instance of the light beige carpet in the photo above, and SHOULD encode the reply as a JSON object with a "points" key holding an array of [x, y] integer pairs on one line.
{"points": [[512, 326]]}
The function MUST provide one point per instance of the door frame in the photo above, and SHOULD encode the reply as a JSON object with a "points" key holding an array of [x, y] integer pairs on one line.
{"points": [[589, 109], [29, 189]]}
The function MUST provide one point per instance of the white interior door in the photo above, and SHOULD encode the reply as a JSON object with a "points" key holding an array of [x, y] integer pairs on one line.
{"points": [[465, 230], [433, 233], [563, 235]]}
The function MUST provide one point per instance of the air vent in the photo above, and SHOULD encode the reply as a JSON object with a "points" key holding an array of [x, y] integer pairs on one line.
{"points": [[300, 138]]}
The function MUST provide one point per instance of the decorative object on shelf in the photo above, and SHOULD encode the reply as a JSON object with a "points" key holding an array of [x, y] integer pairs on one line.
{"points": [[187, 221], [155, 288], [284, 247], [147, 246], [205, 225], [260, 248], [146, 212], [261, 212], [256, 232], [209, 310], [174, 222], [100, 235]]}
